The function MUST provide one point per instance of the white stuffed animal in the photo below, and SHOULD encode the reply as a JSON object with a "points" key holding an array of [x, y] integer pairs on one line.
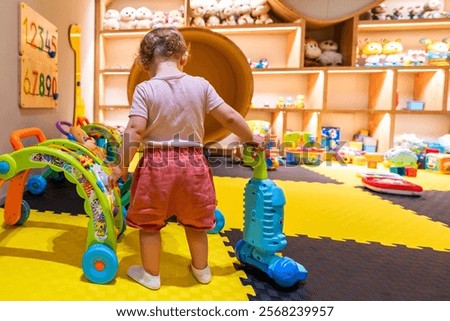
{"points": [[128, 18], [243, 11], [175, 19], [329, 56], [111, 20], [227, 12], [211, 13], [260, 9], [198, 9], [432, 10], [159, 19], [144, 18]]}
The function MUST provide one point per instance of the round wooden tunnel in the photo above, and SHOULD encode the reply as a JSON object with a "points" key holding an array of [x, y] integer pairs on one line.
{"points": [[220, 61], [320, 12]]}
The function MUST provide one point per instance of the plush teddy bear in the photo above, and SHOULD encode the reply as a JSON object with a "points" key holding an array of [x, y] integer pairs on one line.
{"points": [[400, 13], [144, 18], [329, 55], [175, 19], [379, 12], [128, 18], [260, 10], [432, 10], [393, 53], [415, 12], [243, 11], [437, 51], [159, 19], [211, 15], [372, 53], [198, 9], [312, 52], [227, 13], [111, 20]]}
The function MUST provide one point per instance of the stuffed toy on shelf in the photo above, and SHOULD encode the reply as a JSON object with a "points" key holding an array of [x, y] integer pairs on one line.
{"points": [[175, 18], [159, 19], [227, 13], [211, 13], [243, 12], [198, 9], [144, 18], [260, 11], [111, 20], [432, 10], [128, 18], [438, 52], [393, 53], [312, 52], [330, 55], [372, 53]]}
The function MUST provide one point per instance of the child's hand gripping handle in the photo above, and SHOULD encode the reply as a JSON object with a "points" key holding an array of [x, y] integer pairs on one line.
{"points": [[16, 136], [255, 156]]}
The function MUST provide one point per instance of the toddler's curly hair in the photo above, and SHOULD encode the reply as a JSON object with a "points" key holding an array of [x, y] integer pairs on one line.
{"points": [[162, 43]]}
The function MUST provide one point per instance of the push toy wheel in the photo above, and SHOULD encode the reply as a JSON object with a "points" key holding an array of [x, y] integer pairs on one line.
{"points": [[24, 213], [100, 264], [220, 222], [36, 184], [286, 272], [124, 225]]}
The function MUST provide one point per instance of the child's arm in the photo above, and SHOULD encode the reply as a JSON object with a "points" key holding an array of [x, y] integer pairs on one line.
{"points": [[131, 141], [233, 121]]}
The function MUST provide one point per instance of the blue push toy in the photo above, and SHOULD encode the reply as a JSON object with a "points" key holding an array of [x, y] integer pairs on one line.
{"points": [[263, 226]]}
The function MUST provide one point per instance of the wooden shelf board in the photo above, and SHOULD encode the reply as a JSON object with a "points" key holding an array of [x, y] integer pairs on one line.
{"points": [[345, 111], [396, 25], [274, 110], [422, 112], [273, 28], [115, 71], [286, 71], [114, 107]]}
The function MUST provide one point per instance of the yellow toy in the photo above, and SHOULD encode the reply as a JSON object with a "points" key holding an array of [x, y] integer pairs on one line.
{"points": [[299, 101], [372, 53], [393, 53]]}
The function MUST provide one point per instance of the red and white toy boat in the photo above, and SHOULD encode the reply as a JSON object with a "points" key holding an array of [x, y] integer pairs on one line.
{"points": [[391, 185]]}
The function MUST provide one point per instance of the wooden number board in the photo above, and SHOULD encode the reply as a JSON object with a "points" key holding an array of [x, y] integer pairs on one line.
{"points": [[38, 50]]}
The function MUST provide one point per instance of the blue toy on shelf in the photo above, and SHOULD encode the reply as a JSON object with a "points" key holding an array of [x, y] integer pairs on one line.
{"points": [[263, 227]]}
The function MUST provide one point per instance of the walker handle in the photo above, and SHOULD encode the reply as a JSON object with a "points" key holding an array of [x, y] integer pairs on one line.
{"points": [[16, 136], [61, 129]]}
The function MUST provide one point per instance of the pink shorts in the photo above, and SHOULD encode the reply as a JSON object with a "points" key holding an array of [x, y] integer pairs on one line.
{"points": [[172, 181]]}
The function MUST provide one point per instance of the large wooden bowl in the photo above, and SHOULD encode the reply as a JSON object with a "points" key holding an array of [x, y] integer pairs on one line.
{"points": [[220, 61], [320, 12]]}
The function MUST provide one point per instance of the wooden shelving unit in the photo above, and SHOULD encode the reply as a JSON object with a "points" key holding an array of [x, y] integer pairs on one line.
{"points": [[350, 97]]}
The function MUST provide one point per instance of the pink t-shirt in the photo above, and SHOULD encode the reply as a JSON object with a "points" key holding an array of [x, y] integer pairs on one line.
{"points": [[175, 108]]}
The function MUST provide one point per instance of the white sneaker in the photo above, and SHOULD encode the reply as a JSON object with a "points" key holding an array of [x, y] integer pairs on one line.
{"points": [[137, 273], [202, 276]]}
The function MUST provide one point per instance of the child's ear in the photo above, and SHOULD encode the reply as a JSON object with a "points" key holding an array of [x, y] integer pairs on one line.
{"points": [[184, 58]]}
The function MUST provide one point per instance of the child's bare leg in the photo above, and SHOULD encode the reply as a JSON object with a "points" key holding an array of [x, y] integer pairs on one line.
{"points": [[147, 274], [150, 251], [198, 246]]}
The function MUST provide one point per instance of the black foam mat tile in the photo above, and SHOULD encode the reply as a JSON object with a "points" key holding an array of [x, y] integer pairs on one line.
{"points": [[350, 271]]}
